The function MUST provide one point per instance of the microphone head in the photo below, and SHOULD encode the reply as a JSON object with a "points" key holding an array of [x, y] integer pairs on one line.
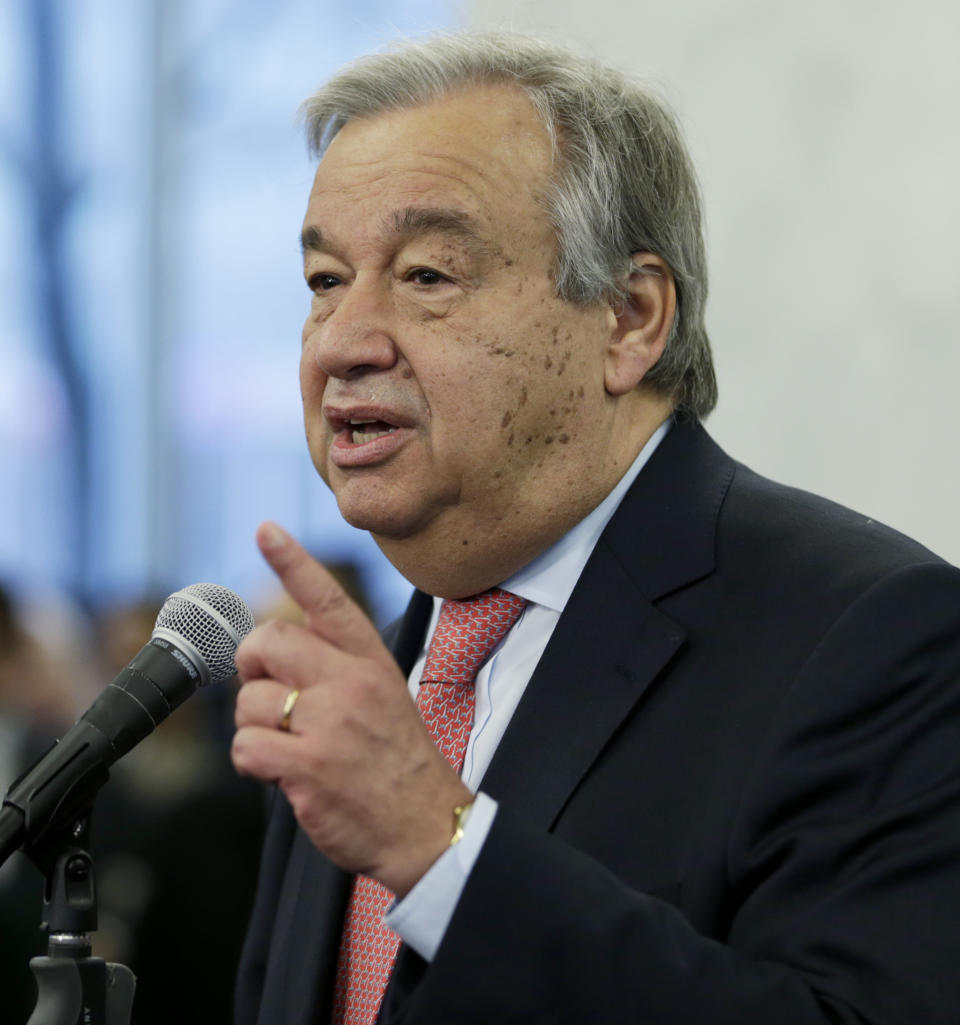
{"points": [[209, 621]]}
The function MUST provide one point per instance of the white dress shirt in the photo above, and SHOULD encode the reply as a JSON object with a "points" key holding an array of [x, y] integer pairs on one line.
{"points": [[421, 918]]}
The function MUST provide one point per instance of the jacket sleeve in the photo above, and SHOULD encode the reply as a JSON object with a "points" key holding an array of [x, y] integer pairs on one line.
{"points": [[842, 865]]}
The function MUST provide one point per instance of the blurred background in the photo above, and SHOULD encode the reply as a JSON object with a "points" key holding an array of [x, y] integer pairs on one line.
{"points": [[152, 183]]}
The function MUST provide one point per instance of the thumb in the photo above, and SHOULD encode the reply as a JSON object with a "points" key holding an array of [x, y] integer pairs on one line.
{"points": [[328, 610]]}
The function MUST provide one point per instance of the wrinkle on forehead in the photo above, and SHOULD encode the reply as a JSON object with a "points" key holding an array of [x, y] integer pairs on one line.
{"points": [[413, 222]]}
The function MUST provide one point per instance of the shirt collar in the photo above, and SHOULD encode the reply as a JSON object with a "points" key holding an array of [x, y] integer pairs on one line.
{"points": [[550, 579]]}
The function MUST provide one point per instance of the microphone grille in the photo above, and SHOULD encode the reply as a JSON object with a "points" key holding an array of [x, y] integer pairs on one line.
{"points": [[210, 618]]}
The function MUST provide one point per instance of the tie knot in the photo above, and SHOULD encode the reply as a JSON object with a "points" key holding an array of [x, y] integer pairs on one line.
{"points": [[467, 631]]}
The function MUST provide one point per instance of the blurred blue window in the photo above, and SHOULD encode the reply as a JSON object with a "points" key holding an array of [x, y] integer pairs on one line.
{"points": [[152, 182]]}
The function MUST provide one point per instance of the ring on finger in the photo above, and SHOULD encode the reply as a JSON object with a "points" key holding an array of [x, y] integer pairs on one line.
{"points": [[288, 706]]}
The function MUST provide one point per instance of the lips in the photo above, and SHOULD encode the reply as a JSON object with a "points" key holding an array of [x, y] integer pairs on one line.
{"points": [[366, 436]]}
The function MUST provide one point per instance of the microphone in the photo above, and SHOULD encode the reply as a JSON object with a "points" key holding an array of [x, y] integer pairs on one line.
{"points": [[193, 644]]}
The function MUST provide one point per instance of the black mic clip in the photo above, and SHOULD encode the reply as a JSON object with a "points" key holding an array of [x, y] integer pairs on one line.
{"points": [[43, 806], [73, 986]]}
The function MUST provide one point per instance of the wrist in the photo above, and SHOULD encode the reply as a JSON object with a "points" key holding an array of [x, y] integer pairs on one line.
{"points": [[435, 831]]}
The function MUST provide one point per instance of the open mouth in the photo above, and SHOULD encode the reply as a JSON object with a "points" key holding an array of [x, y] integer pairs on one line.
{"points": [[364, 431], [364, 439]]}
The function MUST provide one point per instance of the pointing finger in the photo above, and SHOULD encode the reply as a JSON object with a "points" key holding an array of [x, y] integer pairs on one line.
{"points": [[328, 611]]}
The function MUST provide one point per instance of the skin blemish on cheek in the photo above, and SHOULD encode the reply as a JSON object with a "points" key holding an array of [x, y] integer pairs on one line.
{"points": [[547, 363], [563, 439], [507, 417], [406, 373], [510, 440]]}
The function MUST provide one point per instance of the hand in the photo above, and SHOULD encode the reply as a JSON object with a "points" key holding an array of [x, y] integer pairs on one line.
{"points": [[360, 770]]}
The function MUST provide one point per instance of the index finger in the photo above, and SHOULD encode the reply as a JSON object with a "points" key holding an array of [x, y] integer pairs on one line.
{"points": [[328, 610]]}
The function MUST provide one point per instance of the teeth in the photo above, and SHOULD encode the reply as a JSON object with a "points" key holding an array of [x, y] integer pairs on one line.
{"points": [[362, 437]]}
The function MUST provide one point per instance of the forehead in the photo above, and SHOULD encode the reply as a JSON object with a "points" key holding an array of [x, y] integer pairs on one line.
{"points": [[483, 151]]}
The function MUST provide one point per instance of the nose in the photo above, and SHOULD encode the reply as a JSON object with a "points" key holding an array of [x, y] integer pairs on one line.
{"points": [[355, 337]]}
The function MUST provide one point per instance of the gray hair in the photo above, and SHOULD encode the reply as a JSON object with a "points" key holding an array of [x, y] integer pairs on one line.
{"points": [[624, 182]]}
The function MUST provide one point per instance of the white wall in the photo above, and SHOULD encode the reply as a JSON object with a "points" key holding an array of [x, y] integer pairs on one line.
{"points": [[827, 136]]}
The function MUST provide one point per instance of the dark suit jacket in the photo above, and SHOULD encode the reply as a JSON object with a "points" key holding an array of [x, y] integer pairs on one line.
{"points": [[730, 793]]}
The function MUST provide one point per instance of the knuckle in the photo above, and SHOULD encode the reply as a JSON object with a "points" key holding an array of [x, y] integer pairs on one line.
{"points": [[243, 706], [329, 602], [239, 751], [247, 655], [272, 630]]}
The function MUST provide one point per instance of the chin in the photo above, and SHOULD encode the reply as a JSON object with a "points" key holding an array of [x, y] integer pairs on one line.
{"points": [[389, 504], [380, 517]]}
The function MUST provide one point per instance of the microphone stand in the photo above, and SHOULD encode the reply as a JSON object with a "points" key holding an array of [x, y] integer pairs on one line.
{"points": [[73, 987]]}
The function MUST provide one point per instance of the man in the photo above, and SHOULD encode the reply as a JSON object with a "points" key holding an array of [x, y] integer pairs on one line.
{"points": [[716, 759]]}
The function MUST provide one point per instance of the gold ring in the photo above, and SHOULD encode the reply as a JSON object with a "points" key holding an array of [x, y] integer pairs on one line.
{"points": [[288, 706]]}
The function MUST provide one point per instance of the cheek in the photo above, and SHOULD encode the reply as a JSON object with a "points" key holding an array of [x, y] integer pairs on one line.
{"points": [[531, 423], [541, 404], [514, 390], [313, 380]]}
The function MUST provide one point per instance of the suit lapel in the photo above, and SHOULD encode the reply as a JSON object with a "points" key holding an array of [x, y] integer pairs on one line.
{"points": [[611, 641], [600, 660], [312, 906], [404, 638]]}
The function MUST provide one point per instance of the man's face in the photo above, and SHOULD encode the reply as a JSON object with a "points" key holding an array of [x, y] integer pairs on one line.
{"points": [[448, 394]]}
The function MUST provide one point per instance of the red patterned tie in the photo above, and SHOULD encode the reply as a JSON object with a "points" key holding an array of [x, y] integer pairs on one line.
{"points": [[466, 634]]}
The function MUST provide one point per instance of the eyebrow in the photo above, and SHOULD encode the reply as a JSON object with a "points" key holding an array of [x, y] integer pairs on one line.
{"points": [[311, 241], [410, 222]]}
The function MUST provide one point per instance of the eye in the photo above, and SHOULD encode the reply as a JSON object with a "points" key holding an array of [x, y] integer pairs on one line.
{"points": [[425, 276], [322, 282]]}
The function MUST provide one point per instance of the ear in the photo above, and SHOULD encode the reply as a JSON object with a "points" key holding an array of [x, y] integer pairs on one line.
{"points": [[641, 324]]}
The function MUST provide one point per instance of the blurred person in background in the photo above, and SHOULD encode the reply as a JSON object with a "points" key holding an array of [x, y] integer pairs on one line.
{"points": [[39, 699]]}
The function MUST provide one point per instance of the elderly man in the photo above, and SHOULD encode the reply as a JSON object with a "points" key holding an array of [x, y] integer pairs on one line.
{"points": [[657, 740]]}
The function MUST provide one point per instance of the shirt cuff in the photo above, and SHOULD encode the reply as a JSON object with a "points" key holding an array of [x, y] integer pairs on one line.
{"points": [[422, 917]]}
